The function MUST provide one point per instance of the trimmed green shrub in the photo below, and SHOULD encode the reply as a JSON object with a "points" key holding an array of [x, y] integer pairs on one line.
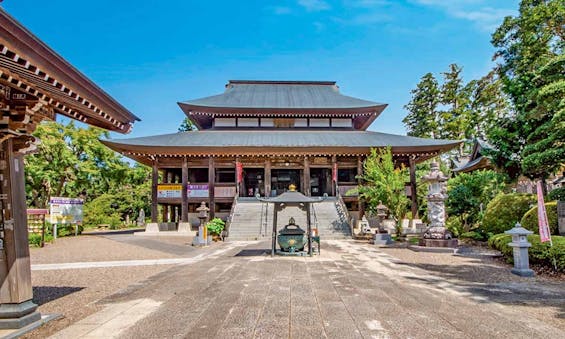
{"points": [[478, 235], [215, 226], [557, 194], [530, 219], [540, 253], [505, 210]]}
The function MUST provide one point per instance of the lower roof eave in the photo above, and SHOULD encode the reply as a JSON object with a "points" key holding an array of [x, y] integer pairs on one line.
{"points": [[147, 154]]}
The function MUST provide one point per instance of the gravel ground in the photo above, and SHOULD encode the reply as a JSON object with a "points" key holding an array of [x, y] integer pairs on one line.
{"points": [[74, 293], [100, 248]]}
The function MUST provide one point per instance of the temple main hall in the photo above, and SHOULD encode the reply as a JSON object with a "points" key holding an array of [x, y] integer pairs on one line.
{"points": [[258, 138]]}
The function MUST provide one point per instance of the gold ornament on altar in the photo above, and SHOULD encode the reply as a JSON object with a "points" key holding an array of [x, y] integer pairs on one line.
{"points": [[292, 188]]}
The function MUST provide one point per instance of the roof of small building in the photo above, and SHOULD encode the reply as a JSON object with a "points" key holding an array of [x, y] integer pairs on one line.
{"points": [[282, 95]]}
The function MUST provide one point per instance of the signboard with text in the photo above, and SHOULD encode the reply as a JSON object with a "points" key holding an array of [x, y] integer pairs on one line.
{"points": [[65, 210], [169, 191], [198, 191]]}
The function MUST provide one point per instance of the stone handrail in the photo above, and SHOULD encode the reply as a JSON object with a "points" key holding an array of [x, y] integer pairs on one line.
{"points": [[344, 213], [232, 210]]}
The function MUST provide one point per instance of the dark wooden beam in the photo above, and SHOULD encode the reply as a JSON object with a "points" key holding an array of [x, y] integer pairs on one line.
{"points": [[184, 193], [359, 182], [211, 181], [154, 184], [413, 188], [334, 174], [268, 177], [306, 179]]}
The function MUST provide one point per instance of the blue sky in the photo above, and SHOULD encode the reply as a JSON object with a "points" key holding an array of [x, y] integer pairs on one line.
{"points": [[151, 54]]}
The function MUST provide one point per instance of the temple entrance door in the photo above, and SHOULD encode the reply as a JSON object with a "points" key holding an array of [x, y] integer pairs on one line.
{"points": [[282, 178], [320, 181], [253, 182]]}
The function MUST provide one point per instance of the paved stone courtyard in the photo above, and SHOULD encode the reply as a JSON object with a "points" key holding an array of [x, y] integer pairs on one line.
{"points": [[353, 290]]}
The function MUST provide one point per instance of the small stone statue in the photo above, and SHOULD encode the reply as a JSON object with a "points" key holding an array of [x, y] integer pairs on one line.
{"points": [[141, 218]]}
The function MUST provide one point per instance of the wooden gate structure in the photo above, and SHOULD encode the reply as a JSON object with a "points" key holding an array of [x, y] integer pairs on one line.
{"points": [[35, 84]]}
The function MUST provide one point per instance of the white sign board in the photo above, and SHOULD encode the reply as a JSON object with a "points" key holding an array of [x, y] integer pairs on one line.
{"points": [[65, 210], [198, 191]]}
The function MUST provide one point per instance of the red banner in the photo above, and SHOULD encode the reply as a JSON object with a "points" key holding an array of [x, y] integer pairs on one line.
{"points": [[239, 171], [543, 224], [334, 172]]}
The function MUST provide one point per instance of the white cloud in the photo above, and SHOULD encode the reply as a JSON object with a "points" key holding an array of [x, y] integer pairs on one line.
{"points": [[485, 18], [314, 5]]}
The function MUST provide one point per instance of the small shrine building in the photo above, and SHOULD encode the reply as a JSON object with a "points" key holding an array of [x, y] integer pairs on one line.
{"points": [[258, 137]]}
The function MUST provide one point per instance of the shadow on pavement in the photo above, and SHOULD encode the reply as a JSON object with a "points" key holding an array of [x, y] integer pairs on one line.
{"points": [[252, 253], [45, 294], [525, 291], [126, 231]]}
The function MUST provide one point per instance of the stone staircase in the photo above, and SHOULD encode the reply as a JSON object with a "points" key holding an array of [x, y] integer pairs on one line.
{"points": [[253, 220]]}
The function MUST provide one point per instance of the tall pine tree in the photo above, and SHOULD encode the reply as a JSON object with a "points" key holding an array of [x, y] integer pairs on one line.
{"points": [[526, 45], [422, 119]]}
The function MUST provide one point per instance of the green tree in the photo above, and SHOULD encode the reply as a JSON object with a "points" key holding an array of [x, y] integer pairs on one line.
{"points": [[487, 103], [526, 45], [187, 125], [469, 194], [455, 117], [72, 162], [544, 151], [422, 119], [382, 182]]}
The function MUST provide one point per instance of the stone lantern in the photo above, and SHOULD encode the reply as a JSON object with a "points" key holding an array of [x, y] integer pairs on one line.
{"points": [[382, 212], [203, 213], [381, 237], [520, 246], [436, 235]]}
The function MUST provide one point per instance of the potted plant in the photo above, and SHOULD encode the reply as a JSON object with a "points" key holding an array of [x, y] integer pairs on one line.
{"points": [[215, 228]]}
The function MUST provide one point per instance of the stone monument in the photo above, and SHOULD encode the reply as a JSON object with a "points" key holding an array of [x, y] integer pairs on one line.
{"points": [[437, 235]]}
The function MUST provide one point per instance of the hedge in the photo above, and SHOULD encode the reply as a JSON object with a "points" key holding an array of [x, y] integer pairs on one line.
{"points": [[557, 194], [505, 210], [540, 253], [530, 219]]}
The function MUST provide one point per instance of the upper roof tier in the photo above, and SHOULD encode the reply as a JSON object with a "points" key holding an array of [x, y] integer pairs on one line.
{"points": [[281, 98]]}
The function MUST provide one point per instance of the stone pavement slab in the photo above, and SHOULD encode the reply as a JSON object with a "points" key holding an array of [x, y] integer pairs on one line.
{"points": [[350, 291]]}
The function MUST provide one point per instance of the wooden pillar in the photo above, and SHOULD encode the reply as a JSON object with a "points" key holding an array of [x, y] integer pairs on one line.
{"points": [[155, 183], [211, 181], [17, 309], [276, 208], [306, 180], [165, 213], [413, 188], [238, 183], [184, 193], [360, 182], [334, 175], [309, 227], [268, 177]]}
